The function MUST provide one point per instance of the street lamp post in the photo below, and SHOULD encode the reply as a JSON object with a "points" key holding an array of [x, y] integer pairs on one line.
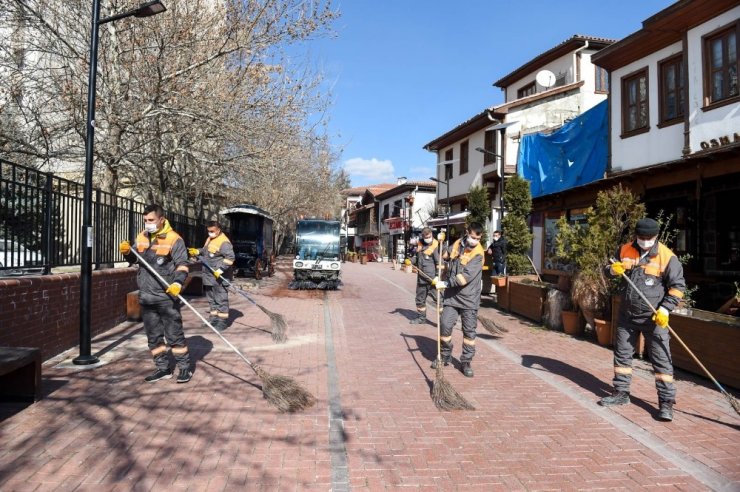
{"points": [[501, 201], [446, 182], [144, 10]]}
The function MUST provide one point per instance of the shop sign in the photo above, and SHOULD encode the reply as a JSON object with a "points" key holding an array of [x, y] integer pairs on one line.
{"points": [[720, 142], [395, 226]]}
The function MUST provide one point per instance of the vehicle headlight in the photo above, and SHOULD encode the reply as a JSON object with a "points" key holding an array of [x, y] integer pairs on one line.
{"points": [[298, 264], [335, 266]]}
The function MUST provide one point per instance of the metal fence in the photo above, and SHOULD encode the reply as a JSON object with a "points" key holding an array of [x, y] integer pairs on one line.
{"points": [[41, 221]]}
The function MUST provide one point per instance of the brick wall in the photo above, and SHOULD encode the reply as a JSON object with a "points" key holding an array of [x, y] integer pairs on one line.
{"points": [[44, 311]]}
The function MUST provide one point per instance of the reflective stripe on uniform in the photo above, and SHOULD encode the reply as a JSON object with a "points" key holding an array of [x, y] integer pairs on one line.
{"points": [[159, 350], [461, 279], [468, 341], [223, 315], [179, 350], [622, 370], [667, 378], [446, 339], [675, 293], [421, 309], [228, 262]]}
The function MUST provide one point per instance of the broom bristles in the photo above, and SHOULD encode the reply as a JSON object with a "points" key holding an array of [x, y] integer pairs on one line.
{"points": [[279, 326], [284, 392], [445, 397], [734, 403], [492, 327]]}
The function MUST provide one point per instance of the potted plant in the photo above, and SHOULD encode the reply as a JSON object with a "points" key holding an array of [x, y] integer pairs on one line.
{"points": [[609, 223], [572, 322]]}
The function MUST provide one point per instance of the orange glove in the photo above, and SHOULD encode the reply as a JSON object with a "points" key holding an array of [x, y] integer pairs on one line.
{"points": [[124, 247]]}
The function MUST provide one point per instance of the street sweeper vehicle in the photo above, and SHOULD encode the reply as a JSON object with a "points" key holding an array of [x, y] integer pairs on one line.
{"points": [[316, 264]]}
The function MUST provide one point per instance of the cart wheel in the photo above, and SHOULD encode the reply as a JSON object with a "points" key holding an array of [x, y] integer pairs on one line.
{"points": [[258, 269]]}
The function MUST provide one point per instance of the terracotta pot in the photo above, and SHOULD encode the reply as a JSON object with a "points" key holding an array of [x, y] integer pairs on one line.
{"points": [[572, 323], [499, 281], [603, 331]]}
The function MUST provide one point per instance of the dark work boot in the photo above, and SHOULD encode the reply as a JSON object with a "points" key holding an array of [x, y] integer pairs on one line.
{"points": [[157, 375], [184, 375], [419, 320], [466, 369], [666, 411], [616, 398]]}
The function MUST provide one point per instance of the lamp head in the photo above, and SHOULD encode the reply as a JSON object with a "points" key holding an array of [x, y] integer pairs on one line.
{"points": [[149, 9]]}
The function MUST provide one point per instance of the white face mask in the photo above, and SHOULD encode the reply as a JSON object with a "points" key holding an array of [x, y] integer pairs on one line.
{"points": [[212, 234], [496, 238], [645, 244], [473, 242], [151, 228], [427, 240]]}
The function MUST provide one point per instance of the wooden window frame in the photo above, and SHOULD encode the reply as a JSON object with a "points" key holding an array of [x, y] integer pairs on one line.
{"points": [[601, 75], [626, 80], [676, 61], [464, 151], [449, 155], [707, 39], [528, 90], [489, 144]]}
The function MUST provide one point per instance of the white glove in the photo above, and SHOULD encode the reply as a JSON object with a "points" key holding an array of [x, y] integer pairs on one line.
{"points": [[441, 285]]}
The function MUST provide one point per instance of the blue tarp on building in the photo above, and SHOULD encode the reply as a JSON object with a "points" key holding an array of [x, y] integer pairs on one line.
{"points": [[572, 156]]}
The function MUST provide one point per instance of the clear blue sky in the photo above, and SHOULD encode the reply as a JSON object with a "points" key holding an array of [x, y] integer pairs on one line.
{"points": [[404, 72]]}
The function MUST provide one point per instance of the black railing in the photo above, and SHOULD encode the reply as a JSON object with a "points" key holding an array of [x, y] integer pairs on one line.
{"points": [[41, 220]]}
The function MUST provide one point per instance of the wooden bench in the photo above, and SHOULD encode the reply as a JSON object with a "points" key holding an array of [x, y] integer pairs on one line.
{"points": [[20, 374]]}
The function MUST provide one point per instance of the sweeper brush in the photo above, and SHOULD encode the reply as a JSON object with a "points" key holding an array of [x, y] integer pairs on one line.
{"points": [[311, 285], [281, 391]]}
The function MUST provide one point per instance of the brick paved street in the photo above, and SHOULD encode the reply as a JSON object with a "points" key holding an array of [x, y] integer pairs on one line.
{"points": [[536, 426]]}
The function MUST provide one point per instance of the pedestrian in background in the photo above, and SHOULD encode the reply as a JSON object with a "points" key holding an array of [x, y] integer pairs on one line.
{"points": [[497, 249], [426, 260], [461, 295], [164, 250], [218, 254], [654, 269]]}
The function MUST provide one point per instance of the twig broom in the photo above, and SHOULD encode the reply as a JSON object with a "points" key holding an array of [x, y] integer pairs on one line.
{"points": [[444, 396], [281, 391], [733, 401], [277, 322], [488, 324]]}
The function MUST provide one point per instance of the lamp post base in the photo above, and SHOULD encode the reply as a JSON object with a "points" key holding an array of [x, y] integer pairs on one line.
{"points": [[85, 360]]}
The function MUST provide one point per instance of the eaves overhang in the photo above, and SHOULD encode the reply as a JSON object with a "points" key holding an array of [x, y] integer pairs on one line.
{"points": [[485, 118], [567, 46], [662, 29]]}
